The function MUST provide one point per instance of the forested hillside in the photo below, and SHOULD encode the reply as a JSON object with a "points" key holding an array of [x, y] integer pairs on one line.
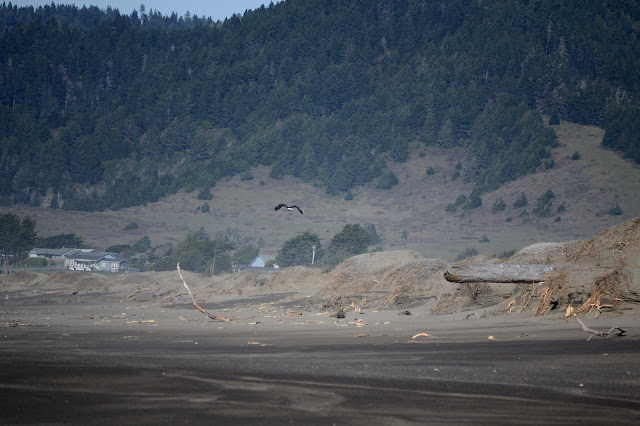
{"points": [[100, 109]]}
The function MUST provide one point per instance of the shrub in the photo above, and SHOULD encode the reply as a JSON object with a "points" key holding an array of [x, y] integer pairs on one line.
{"points": [[498, 205], [543, 204], [470, 252], [575, 156], [473, 202], [35, 262], [131, 226], [554, 120], [387, 181], [205, 194], [430, 171], [520, 202], [507, 254], [615, 211]]}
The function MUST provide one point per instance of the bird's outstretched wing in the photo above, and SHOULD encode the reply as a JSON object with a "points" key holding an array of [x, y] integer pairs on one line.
{"points": [[297, 208], [279, 206]]}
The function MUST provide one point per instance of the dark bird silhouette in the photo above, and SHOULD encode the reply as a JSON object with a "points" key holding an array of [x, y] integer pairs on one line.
{"points": [[290, 208]]}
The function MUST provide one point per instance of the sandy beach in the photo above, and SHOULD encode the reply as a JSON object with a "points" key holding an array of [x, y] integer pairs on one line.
{"points": [[134, 363], [412, 348]]}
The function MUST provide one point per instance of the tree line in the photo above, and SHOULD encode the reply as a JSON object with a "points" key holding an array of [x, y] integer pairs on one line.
{"points": [[198, 252], [102, 109]]}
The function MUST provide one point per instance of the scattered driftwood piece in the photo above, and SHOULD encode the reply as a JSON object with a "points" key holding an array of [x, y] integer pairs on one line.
{"points": [[213, 317], [404, 313], [606, 334], [293, 313], [500, 272], [130, 295], [339, 314], [358, 322]]}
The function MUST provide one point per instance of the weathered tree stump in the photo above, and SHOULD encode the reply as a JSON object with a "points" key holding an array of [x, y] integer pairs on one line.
{"points": [[500, 272]]}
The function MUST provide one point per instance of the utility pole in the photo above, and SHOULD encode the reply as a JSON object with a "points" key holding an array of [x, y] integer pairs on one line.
{"points": [[313, 257]]}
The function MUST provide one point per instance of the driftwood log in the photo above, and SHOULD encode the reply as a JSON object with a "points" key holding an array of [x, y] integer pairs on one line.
{"points": [[198, 307], [606, 334], [500, 272]]}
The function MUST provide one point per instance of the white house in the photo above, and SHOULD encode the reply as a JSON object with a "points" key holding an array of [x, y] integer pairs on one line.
{"points": [[97, 261]]}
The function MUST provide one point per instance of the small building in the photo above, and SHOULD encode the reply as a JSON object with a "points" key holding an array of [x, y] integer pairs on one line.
{"points": [[237, 267], [261, 260], [114, 262]]}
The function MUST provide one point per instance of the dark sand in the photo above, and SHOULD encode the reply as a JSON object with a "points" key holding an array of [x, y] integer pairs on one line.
{"points": [[86, 348], [99, 359]]}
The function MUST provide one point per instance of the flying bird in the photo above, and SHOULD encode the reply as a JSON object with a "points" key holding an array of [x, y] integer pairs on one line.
{"points": [[290, 208]]}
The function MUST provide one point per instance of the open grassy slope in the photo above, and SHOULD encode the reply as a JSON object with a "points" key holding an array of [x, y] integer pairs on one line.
{"points": [[588, 187]]}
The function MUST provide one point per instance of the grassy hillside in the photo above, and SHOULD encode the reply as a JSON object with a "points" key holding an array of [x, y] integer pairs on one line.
{"points": [[588, 187]]}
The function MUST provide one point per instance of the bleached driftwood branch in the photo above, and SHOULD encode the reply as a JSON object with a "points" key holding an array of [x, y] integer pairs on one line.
{"points": [[213, 317], [607, 334]]}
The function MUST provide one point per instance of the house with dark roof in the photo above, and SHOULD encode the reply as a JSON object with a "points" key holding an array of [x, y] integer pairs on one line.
{"points": [[60, 253]]}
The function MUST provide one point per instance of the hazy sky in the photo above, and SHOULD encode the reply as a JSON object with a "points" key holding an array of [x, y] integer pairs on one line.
{"points": [[216, 9]]}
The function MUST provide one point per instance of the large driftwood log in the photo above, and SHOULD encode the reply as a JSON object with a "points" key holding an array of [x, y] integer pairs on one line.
{"points": [[500, 272]]}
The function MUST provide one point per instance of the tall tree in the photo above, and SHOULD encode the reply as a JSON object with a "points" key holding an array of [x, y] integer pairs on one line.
{"points": [[16, 237], [299, 250], [352, 240]]}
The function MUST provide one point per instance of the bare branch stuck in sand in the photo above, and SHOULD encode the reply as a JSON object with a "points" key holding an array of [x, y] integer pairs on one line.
{"points": [[606, 334], [213, 317]]}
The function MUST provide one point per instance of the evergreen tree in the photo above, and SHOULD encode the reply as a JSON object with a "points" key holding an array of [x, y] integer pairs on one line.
{"points": [[352, 240], [299, 250], [69, 240], [16, 237]]}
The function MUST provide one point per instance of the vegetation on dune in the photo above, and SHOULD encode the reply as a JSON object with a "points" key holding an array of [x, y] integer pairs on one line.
{"points": [[198, 252], [100, 109], [299, 250], [17, 235], [352, 240]]}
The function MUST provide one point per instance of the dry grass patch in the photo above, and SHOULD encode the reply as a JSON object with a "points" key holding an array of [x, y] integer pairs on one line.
{"points": [[587, 288]]}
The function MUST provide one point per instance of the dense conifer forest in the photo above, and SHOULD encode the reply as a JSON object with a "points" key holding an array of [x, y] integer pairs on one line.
{"points": [[104, 110]]}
